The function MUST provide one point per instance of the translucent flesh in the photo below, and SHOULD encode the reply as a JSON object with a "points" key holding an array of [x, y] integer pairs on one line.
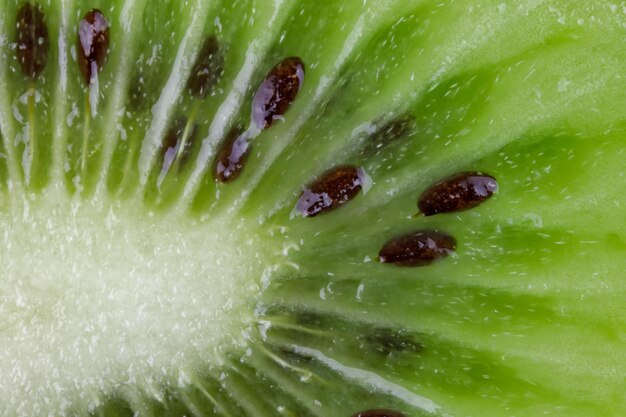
{"points": [[126, 289]]}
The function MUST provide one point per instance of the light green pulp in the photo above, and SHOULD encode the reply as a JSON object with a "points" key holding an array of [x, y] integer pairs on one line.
{"points": [[527, 318]]}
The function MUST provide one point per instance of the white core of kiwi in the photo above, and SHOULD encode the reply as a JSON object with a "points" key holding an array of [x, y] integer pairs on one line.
{"points": [[99, 296]]}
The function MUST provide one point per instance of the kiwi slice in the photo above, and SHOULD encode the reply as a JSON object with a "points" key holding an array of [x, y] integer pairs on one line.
{"points": [[312, 208]]}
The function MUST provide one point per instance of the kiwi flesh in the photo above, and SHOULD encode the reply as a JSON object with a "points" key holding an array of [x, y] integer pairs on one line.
{"points": [[138, 279]]}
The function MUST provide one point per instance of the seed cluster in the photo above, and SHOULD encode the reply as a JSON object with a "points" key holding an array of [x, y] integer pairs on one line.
{"points": [[272, 100], [207, 70], [458, 192]]}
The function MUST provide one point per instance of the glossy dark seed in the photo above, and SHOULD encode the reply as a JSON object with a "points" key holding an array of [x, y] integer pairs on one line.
{"points": [[277, 92], [419, 248], [173, 139], [458, 192], [387, 341], [208, 68], [378, 413], [232, 156], [331, 190], [93, 44], [32, 40]]}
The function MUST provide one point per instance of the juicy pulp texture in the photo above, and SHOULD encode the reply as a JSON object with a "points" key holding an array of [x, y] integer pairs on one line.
{"points": [[127, 287], [143, 317]]}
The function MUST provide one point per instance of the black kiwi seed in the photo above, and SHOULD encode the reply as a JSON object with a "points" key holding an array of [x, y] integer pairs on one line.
{"points": [[32, 40], [456, 193], [331, 190], [277, 92], [378, 413], [419, 248], [232, 156], [93, 44], [208, 68]]}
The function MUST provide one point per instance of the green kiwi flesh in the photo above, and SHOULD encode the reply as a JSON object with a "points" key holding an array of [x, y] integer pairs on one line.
{"points": [[136, 279]]}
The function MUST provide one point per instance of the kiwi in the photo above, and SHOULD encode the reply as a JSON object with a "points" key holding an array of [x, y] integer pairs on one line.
{"points": [[209, 208]]}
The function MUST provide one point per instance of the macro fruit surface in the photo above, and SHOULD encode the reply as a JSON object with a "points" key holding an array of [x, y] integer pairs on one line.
{"points": [[295, 208]]}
